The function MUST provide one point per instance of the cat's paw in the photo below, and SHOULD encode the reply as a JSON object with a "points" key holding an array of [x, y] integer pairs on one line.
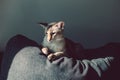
{"points": [[45, 51], [51, 57]]}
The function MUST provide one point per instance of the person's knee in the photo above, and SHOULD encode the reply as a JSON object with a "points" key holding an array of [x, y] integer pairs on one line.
{"points": [[28, 56], [27, 53], [27, 60]]}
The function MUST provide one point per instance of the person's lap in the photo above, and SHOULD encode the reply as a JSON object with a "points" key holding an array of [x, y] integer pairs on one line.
{"points": [[28, 64]]}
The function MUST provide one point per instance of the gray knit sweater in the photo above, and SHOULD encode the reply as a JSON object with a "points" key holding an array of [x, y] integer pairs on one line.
{"points": [[28, 64]]}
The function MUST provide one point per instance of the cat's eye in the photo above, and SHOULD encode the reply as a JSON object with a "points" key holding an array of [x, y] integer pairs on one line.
{"points": [[56, 25], [53, 33]]}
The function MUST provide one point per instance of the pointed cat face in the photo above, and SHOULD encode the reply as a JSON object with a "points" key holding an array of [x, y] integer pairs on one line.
{"points": [[53, 31]]}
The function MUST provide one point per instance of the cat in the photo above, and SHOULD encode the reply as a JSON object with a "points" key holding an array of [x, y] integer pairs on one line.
{"points": [[56, 45]]}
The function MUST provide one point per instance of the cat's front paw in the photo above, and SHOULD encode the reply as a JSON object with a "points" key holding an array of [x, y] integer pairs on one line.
{"points": [[45, 51], [51, 57]]}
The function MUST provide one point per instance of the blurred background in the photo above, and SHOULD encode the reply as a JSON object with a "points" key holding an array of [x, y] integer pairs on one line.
{"points": [[93, 23]]}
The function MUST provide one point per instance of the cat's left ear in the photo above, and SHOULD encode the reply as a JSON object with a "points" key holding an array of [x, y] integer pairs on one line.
{"points": [[44, 25], [60, 24]]}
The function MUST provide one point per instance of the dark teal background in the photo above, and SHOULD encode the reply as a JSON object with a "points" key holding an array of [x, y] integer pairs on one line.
{"points": [[93, 23]]}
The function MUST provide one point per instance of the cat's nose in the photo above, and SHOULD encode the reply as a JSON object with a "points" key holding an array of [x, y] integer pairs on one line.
{"points": [[49, 38]]}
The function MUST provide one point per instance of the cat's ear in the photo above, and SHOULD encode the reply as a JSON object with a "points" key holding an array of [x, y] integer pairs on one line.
{"points": [[60, 24], [44, 25]]}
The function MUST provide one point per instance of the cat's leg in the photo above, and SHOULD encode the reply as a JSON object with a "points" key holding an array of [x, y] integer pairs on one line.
{"points": [[55, 55], [45, 50]]}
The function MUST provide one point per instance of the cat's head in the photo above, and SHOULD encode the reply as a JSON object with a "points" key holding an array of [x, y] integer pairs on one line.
{"points": [[53, 30]]}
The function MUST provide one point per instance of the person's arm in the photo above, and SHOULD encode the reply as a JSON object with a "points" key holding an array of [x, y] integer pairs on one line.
{"points": [[84, 69]]}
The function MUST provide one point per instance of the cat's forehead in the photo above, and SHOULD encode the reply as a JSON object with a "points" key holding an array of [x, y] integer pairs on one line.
{"points": [[53, 29], [52, 26]]}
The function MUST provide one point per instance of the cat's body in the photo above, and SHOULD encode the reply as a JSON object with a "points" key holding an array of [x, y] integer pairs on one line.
{"points": [[56, 45]]}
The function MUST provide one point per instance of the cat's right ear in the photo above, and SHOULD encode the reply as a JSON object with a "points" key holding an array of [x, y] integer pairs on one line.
{"points": [[44, 25]]}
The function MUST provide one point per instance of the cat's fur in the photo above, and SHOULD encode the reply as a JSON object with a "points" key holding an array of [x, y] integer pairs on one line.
{"points": [[56, 45]]}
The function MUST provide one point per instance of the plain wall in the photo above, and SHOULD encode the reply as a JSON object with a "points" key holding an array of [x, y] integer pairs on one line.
{"points": [[92, 23]]}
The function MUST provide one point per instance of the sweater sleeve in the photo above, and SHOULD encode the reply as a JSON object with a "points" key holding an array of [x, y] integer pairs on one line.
{"points": [[84, 69]]}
